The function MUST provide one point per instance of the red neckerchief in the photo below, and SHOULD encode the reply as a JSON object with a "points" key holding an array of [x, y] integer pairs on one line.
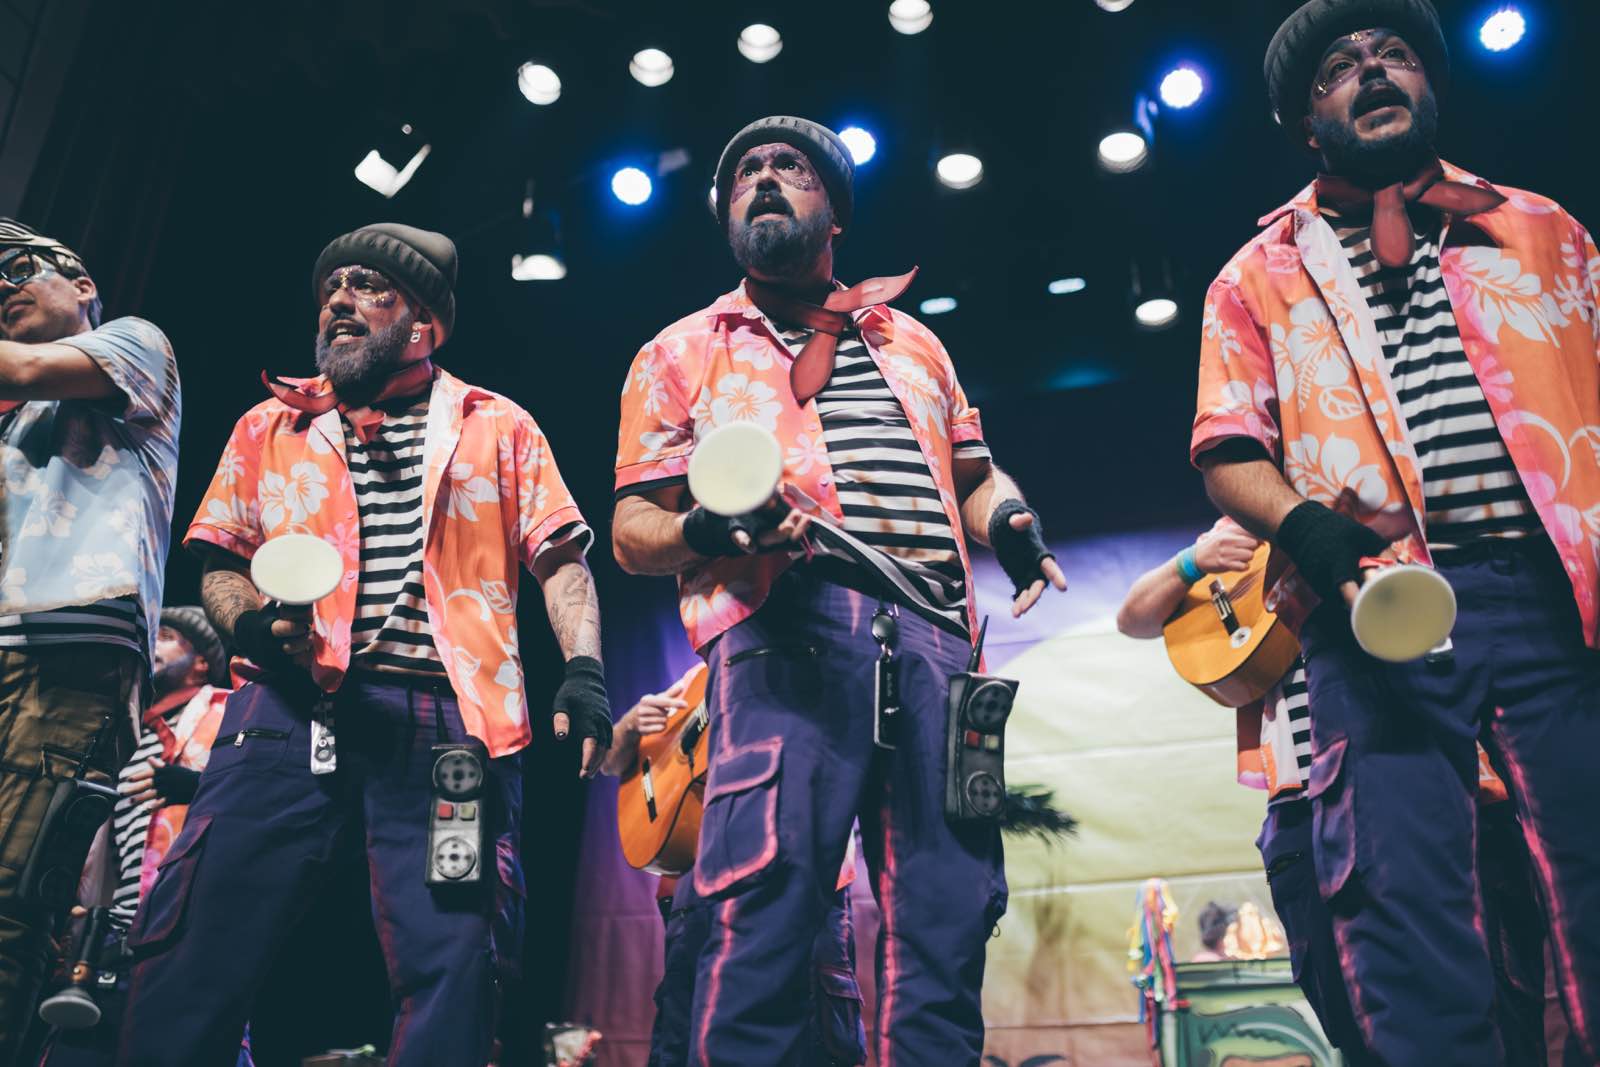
{"points": [[1392, 238], [365, 419], [155, 717], [813, 367]]}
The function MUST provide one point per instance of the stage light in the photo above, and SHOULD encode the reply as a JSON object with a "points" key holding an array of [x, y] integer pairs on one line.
{"points": [[538, 83], [1123, 151], [1114, 5], [959, 170], [381, 176], [539, 267], [651, 67], [1062, 286], [910, 16], [1182, 87], [759, 42], [631, 185], [863, 146], [938, 305], [1503, 29], [1156, 313], [712, 196]]}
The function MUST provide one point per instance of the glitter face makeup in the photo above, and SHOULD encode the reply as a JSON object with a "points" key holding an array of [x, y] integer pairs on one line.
{"points": [[369, 288], [1347, 55], [789, 165]]}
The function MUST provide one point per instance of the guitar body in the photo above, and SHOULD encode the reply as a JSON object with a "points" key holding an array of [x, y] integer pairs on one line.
{"points": [[1223, 640], [660, 799]]}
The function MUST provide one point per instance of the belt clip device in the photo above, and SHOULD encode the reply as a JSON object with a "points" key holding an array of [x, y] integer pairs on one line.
{"points": [[975, 749]]}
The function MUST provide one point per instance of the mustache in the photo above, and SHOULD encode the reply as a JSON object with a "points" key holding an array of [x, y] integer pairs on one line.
{"points": [[358, 327], [767, 202], [1379, 94]]}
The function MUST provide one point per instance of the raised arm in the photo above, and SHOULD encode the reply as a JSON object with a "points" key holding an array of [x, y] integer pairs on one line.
{"points": [[1156, 594]]}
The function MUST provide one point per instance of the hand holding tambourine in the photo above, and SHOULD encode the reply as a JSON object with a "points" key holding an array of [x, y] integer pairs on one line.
{"points": [[293, 571], [735, 476]]}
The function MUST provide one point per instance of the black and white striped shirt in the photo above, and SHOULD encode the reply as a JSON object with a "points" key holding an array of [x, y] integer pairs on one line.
{"points": [[130, 825], [1470, 487], [117, 621], [390, 628], [898, 527]]}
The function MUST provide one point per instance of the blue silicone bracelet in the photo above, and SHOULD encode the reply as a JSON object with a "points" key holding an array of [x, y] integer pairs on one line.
{"points": [[1188, 569]]}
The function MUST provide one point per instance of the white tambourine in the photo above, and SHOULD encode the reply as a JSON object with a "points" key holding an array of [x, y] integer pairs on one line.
{"points": [[296, 568], [735, 469], [1403, 612]]}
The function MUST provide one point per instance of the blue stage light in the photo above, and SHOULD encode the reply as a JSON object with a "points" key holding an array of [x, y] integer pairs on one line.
{"points": [[631, 185], [1182, 87], [1503, 29], [863, 146]]}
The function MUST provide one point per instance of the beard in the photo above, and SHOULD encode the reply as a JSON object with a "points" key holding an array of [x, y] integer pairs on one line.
{"points": [[1384, 160], [169, 675], [359, 370], [783, 248]]}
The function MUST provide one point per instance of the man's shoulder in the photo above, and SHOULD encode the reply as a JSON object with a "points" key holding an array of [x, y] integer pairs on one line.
{"points": [[128, 329], [691, 332]]}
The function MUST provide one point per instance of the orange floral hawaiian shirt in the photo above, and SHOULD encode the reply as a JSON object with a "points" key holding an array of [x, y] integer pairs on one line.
{"points": [[492, 499], [1290, 357], [723, 364]]}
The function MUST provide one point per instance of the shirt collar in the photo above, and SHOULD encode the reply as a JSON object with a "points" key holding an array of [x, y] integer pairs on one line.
{"points": [[1306, 199], [737, 304]]}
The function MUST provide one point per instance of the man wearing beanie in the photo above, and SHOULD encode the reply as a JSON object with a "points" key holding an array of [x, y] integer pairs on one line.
{"points": [[435, 493], [89, 416], [1403, 364], [888, 457]]}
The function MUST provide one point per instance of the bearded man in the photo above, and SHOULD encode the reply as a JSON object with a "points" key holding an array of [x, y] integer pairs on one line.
{"points": [[435, 493], [799, 612], [1403, 363]]}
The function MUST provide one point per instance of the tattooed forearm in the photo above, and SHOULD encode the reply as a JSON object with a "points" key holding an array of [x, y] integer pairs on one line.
{"points": [[227, 591], [574, 609]]}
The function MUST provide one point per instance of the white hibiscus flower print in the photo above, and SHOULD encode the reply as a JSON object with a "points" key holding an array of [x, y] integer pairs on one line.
{"points": [[1321, 470], [739, 399], [806, 453], [294, 498], [464, 488], [232, 512], [922, 395], [655, 442], [99, 572], [1500, 294], [50, 514]]}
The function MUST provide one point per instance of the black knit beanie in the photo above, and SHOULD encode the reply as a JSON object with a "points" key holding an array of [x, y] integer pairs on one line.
{"points": [[420, 261], [827, 153], [1303, 39], [190, 621]]}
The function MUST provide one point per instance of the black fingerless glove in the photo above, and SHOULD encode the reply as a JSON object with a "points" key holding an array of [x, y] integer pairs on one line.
{"points": [[176, 785], [1326, 547], [711, 535], [583, 697], [1021, 552], [252, 634]]}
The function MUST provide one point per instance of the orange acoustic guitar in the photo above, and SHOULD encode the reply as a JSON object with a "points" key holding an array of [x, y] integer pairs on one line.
{"points": [[660, 799], [1224, 641]]}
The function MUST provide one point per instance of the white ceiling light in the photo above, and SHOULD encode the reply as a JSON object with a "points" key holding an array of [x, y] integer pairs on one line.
{"points": [[539, 267], [538, 83], [379, 175], [651, 67], [759, 42], [910, 16], [1123, 151], [1114, 5], [863, 146], [1062, 286], [938, 305], [1156, 313], [960, 170]]}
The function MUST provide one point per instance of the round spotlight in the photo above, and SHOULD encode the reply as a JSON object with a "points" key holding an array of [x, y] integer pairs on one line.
{"points": [[1157, 313], [759, 42], [1062, 286], [1503, 29], [910, 16], [1114, 5], [631, 185], [863, 146], [651, 67], [712, 196], [938, 305], [1123, 151], [1182, 87], [538, 83], [539, 267], [959, 170]]}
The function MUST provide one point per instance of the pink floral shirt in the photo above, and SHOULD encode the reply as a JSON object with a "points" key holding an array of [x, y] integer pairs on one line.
{"points": [[492, 500], [1290, 357], [722, 364]]}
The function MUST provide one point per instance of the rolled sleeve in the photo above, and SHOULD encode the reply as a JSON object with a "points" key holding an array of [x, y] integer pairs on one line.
{"points": [[547, 515], [656, 432], [1238, 394], [138, 359]]}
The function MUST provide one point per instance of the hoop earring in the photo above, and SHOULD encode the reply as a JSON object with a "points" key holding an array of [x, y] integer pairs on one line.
{"points": [[416, 334]]}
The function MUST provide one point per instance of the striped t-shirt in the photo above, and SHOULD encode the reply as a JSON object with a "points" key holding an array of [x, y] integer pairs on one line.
{"points": [[1470, 487], [896, 524], [1286, 733], [117, 621], [130, 824], [390, 628]]}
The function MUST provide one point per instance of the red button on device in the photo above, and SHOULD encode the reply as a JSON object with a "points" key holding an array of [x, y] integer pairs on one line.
{"points": [[446, 810]]}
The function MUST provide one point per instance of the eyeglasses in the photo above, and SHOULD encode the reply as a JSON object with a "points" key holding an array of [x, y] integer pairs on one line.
{"points": [[22, 268]]}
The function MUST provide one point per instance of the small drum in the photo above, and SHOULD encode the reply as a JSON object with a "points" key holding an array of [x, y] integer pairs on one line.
{"points": [[735, 469], [1403, 612], [296, 568]]}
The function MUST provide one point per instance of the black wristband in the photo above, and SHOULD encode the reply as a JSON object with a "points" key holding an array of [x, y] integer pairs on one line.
{"points": [[582, 696], [1020, 552], [1326, 547], [177, 785], [711, 535], [252, 634]]}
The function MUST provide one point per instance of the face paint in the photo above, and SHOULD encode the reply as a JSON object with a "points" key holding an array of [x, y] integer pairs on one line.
{"points": [[367, 287], [789, 165], [1349, 53]]}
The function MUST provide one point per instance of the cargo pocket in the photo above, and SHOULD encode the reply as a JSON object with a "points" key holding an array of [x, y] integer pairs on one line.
{"points": [[838, 1015], [739, 830], [160, 918], [1333, 820]]}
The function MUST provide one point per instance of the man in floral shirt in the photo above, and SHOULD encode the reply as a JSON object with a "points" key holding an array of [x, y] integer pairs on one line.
{"points": [[888, 477], [435, 493], [1403, 363]]}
